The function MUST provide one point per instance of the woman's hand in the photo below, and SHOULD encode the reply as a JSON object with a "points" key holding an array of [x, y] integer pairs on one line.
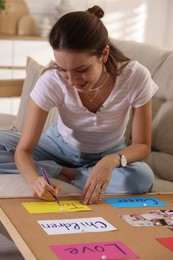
{"points": [[41, 189], [98, 180]]}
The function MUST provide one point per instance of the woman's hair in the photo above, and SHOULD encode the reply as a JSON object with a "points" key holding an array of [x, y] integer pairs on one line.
{"points": [[84, 31]]}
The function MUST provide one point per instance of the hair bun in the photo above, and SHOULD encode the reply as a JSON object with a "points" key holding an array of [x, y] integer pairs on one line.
{"points": [[96, 10]]}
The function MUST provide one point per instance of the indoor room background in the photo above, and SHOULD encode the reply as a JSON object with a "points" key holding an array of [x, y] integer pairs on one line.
{"points": [[148, 21]]}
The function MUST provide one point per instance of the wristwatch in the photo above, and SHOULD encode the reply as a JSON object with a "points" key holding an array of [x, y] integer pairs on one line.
{"points": [[123, 160]]}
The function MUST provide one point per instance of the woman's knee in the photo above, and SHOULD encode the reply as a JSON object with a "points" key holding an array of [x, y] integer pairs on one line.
{"points": [[141, 179], [9, 140], [134, 178]]}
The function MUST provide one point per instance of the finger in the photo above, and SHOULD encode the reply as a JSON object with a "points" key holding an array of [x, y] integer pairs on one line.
{"points": [[44, 194], [39, 194], [57, 189], [94, 195], [49, 190], [102, 191], [88, 191], [85, 190], [38, 189], [44, 190]]}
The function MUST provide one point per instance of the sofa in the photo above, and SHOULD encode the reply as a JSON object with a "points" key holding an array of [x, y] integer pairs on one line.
{"points": [[159, 61]]}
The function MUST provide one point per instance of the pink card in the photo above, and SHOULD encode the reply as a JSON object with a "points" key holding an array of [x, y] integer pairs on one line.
{"points": [[94, 251], [168, 242]]}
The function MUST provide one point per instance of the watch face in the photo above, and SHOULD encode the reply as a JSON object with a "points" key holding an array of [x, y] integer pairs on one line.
{"points": [[123, 160]]}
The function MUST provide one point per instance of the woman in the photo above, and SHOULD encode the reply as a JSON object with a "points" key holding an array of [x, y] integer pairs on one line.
{"points": [[94, 86]]}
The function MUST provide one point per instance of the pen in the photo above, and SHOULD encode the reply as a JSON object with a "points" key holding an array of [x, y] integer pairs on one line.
{"points": [[48, 181]]}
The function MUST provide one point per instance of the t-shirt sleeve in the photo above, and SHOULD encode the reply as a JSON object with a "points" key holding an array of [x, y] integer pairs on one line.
{"points": [[47, 92], [141, 86]]}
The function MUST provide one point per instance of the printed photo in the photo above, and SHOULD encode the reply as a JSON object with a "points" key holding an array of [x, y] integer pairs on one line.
{"points": [[152, 218]]}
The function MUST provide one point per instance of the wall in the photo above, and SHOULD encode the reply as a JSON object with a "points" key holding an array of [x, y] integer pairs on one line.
{"points": [[169, 25], [147, 21]]}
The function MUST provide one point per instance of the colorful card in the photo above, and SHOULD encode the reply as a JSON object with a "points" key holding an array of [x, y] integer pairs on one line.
{"points": [[93, 251], [168, 242], [69, 226], [135, 202], [152, 218], [47, 207]]}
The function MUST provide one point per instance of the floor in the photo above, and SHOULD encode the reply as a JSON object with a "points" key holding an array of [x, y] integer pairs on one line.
{"points": [[8, 250]]}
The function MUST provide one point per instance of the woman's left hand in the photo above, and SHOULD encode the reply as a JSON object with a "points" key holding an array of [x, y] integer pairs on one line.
{"points": [[98, 181]]}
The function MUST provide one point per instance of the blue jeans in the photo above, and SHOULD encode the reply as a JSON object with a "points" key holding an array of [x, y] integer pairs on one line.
{"points": [[53, 153]]}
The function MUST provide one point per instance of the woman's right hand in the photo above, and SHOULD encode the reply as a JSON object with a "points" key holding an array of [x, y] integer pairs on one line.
{"points": [[42, 190]]}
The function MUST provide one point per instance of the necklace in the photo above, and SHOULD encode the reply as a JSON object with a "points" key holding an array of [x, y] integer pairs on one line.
{"points": [[94, 89], [91, 99]]}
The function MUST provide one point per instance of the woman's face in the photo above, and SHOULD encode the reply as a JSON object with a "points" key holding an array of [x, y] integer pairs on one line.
{"points": [[81, 70]]}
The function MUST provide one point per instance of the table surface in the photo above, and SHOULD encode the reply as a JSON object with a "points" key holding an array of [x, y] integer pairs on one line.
{"points": [[33, 242]]}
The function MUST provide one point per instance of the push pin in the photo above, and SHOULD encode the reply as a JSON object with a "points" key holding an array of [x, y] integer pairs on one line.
{"points": [[104, 257], [145, 204], [61, 209]]}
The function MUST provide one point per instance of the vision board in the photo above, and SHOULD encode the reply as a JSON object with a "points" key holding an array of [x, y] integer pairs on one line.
{"points": [[104, 230]]}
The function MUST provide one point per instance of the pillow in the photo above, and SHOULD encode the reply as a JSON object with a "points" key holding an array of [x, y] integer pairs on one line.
{"points": [[33, 73], [151, 56], [164, 79]]}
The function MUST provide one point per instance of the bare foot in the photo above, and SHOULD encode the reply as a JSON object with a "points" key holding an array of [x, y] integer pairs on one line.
{"points": [[66, 174]]}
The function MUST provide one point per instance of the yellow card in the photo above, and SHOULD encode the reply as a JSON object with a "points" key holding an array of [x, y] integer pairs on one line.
{"points": [[47, 207]]}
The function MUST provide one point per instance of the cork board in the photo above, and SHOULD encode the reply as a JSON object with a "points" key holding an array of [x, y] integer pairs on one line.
{"points": [[34, 243]]}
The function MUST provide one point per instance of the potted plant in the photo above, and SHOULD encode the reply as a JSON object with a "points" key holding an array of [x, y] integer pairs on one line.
{"points": [[2, 5]]}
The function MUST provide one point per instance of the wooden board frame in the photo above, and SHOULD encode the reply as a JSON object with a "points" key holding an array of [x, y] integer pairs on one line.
{"points": [[34, 243]]}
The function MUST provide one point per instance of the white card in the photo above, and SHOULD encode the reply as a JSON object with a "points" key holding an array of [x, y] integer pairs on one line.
{"points": [[69, 226]]}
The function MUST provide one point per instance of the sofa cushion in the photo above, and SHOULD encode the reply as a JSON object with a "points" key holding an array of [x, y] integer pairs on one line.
{"points": [[161, 185], [33, 73], [14, 185], [150, 56], [164, 79], [162, 130], [162, 165], [6, 120]]}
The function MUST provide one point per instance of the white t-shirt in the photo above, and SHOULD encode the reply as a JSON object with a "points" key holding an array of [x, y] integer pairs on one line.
{"points": [[94, 132]]}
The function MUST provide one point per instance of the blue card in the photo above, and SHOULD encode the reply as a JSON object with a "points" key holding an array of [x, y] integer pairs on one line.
{"points": [[135, 202]]}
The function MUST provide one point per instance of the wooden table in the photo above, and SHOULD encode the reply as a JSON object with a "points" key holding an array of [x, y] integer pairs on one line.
{"points": [[34, 243]]}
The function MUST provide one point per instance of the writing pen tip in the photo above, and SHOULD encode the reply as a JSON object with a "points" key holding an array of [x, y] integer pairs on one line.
{"points": [[57, 200]]}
